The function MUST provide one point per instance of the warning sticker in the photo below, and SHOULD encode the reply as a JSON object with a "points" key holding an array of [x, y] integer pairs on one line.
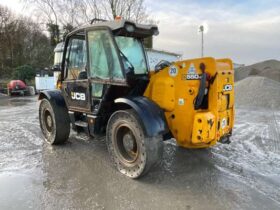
{"points": [[224, 123], [227, 87], [181, 101], [192, 69], [191, 74], [173, 71]]}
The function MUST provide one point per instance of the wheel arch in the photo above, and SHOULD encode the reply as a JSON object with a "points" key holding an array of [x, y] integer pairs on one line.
{"points": [[54, 96], [150, 114]]}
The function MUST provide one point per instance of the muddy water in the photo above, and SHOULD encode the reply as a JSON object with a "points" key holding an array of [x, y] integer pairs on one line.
{"points": [[78, 175]]}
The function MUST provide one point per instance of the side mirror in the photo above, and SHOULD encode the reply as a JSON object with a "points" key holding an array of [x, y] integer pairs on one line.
{"points": [[161, 65]]}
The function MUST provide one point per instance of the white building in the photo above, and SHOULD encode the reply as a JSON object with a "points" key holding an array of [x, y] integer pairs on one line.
{"points": [[155, 56]]}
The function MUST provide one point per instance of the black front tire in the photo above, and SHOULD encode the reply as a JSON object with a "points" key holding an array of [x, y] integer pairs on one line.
{"points": [[54, 122], [132, 151]]}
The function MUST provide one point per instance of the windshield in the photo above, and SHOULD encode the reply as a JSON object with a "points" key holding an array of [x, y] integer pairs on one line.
{"points": [[133, 54]]}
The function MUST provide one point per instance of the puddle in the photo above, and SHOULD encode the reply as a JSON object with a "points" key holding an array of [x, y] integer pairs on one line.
{"points": [[20, 191], [17, 101]]}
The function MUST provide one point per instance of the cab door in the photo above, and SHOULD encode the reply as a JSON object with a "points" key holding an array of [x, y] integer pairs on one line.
{"points": [[104, 67], [76, 86]]}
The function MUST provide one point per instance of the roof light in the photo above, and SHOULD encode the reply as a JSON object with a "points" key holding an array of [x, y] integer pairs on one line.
{"points": [[155, 32], [129, 28]]}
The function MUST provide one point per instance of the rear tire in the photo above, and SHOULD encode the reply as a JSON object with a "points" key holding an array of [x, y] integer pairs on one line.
{"points": [[54, 122], [132, 152]]}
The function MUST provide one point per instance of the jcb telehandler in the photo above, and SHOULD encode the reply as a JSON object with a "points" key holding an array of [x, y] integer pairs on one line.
{"points": [[107, 89]]}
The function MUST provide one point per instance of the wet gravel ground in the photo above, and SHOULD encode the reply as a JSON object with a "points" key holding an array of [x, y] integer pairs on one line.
{"points": [[79, 175]]}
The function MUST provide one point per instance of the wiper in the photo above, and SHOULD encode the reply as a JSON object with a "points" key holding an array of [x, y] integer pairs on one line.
{"points": [[126, 59]]}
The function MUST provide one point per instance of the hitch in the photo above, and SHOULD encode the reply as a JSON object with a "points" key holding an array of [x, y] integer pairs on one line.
{"points": [[225, 140]]}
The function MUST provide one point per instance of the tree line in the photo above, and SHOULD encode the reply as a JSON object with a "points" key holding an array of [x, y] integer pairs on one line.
{"points": [[22, 42]]}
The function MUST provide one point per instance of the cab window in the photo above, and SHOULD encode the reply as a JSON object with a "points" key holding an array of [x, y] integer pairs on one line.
{"points": [[103, 57], [76, 59], [133, 51]]}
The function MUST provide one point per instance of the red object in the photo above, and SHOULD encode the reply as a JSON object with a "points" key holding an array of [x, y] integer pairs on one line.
{"points": [[16, 85]]}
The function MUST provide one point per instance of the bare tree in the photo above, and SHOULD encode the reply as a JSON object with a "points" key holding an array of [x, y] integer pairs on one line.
{"points": [[45, 9], [8, 27], [47, 12], [62, 15], [21, 42], [128, 9], [77, 12], [90, 9]]}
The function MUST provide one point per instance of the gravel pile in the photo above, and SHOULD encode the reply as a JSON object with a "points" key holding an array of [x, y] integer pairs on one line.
{"points": [[258, 92], [269, 69]]}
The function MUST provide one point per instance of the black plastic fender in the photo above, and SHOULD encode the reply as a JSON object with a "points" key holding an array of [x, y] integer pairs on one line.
{"points": [[54, 96], [150, 114]]}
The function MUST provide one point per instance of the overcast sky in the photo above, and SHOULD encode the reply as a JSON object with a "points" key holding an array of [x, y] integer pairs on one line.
{"points": [[246, 31]]}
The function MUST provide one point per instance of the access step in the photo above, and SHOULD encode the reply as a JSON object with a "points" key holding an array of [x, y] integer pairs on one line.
{"points": [[81, 124]]}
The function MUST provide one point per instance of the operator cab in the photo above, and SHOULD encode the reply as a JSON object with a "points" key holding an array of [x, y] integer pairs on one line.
{"points": [[102, 62]]}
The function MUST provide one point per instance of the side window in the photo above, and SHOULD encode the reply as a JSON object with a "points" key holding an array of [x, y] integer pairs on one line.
{"points": [[76, 58], [97, 90], [103, 57]]}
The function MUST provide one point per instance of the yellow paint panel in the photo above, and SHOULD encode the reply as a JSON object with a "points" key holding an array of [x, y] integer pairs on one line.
{"points": [[178, 101], [204, 128], [162, 92]]}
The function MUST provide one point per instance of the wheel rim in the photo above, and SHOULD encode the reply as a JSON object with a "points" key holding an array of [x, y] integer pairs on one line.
{"points": [[126, 144], [48, 120]]}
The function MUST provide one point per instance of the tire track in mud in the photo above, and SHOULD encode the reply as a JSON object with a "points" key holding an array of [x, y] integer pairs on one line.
{"points": [[253, 157], [276, 133]]}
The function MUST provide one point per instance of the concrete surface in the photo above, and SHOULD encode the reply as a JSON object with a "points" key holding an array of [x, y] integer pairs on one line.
{"points": [[79, 175], [2, 96]]}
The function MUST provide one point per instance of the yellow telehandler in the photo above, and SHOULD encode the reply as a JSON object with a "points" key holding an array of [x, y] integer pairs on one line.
{"points": [[106, 88]]}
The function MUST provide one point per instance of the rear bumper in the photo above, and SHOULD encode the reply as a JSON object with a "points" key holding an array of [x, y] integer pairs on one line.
{"points": [[207, 129]]}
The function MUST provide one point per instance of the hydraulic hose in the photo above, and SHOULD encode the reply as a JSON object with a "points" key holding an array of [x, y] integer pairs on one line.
{"points": [[201, 93]]}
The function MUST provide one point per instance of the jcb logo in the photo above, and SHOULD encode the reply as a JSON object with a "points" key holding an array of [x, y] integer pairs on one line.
{"points": [[228, 87], [78, 96]]}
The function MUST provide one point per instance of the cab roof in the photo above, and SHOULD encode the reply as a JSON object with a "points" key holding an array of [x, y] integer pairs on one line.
{"points": [[121, 27]]}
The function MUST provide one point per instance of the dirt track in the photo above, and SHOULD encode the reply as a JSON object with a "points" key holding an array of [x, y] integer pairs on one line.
{"points": [[78, 175]]}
